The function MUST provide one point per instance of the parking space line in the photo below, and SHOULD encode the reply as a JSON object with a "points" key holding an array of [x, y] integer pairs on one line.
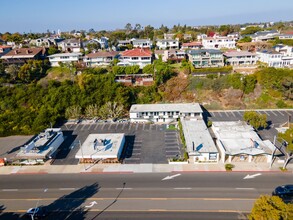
{"points": [[239, 113], [281, 113], [83, 127], [233, 114], [274, 113], [150, 127], [76, 127], [136, 127], [227, 114], [109, 126], [266, 112], [212, 114], [143, 126], [116, 126], [90, 126], [123, 126], [129, 126], [289, 113], [170, 151], [220, 114], [96, 127]]}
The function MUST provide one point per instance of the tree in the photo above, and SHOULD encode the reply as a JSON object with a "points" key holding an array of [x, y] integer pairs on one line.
{"points": [[53, 50], [245, 39], [148, 69], [73, 112], [256, 120], [128, 27], [287, 141], [137, 27], [91, 111], [12, 70], [271, 208], [111, 110], [250, 30]]}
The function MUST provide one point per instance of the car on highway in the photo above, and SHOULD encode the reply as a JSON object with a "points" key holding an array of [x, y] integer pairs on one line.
{"points": [[285, 192], [37, 213]]}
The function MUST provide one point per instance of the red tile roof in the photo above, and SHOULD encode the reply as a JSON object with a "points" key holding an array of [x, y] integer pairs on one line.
{"points": [[138, 52], [102, 54], [5, 46]]}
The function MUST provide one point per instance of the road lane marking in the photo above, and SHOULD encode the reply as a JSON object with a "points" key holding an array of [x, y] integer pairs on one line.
{"points": [[66, 188], [182, 188], [9, 190], [123, 188], [245, 188], [158, 199]]}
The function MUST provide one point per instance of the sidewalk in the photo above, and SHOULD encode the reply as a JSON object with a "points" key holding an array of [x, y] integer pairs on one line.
{"points": [[139, 168]]}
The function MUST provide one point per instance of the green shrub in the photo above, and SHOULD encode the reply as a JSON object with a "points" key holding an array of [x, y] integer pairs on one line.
{"points": [[186, 156], [229, 166]]}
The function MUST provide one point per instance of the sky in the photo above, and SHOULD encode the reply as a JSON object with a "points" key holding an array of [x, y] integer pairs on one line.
{"points": [[26, 16]]}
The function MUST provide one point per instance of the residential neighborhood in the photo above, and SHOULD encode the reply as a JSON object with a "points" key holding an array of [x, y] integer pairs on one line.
{"points": [[150, 110]]}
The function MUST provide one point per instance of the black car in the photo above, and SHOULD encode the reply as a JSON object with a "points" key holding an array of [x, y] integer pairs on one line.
{"points": [[37, 213], [285, 192]]}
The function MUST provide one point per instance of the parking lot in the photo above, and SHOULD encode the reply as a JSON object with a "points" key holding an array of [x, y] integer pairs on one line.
{"points": [[275, 118], [144, 143]]}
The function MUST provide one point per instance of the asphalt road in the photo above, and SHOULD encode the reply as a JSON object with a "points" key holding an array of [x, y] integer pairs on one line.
{"points": [[104, 196]]}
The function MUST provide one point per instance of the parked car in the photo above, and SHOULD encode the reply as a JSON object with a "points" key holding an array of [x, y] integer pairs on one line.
{"points": [[37, 212], [285, 192]]}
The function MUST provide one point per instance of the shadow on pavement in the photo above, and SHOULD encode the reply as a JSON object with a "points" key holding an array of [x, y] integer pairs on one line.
{"points": [[8, 215], [128, 148], [69, 206]]}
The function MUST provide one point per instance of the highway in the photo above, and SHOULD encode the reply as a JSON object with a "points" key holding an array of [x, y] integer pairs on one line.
{"points": [[210, 195]]}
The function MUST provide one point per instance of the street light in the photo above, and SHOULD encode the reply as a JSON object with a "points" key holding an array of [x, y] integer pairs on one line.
{"points": [[37, 204]]}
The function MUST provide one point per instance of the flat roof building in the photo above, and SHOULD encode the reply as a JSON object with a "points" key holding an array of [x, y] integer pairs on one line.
{"points": [[41, 147], [199, 143], [104, 147], [237, 141], [164, 112]]}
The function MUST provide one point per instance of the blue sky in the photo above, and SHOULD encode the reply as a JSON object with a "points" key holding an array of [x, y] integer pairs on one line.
{"points": [[38, 16]]}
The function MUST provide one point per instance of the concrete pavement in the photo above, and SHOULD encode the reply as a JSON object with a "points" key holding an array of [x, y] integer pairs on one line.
{"points": [[140, 168]]}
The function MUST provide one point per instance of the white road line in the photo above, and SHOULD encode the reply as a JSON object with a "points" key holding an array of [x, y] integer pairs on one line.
{"points": [[281, 113], [239, 114], [227, 114], [220, 114], [150, 127], [143, 126], [123, 126], [245, 188], [274, 113], [66, 188], [116, 126], [136, 126], [9, 190], [289, 113], [76, 126], [90, 126], [129, 127], [183, 188], [212, 114], [103, 125], [172, 151], [233, 114], [123, 188], [136, 154], [96, 126], [83, 127], [109, 127]]}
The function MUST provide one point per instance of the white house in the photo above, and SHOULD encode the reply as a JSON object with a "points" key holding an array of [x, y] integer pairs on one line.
{"points": [[70, 45], [240, 58], [238, 142], [41, 147], [142, 43], [219, 42], [264, 35], [99, 58], [55, 59], [167, 44], [164, 112], [271, 57], [199, 143], [138, 56]]}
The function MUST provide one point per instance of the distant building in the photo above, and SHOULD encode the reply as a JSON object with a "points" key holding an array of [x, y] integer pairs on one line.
{"points": [[164, 112], [65, 58], [22, 55], [219, 42], [240, 58], [135, 79], [142, 43], [167, 44], [124, 43], [264, 35], [41, 147], [70, 45], [206, 58], [99, 58], [199, 143], [274, 58], [138, 56], [4, 49], [238, 142], [192, 45], [101, 148]]}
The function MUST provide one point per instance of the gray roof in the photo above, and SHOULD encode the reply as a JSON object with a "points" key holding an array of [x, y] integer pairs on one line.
{"points": [[196, 134], [202, 51], [181, 107], [239, 53]]}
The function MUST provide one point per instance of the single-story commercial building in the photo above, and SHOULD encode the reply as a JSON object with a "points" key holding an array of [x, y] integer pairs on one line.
{"points": [[237, 141], [41, 147], [199, 143], [101, 147], [164, 112]]}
